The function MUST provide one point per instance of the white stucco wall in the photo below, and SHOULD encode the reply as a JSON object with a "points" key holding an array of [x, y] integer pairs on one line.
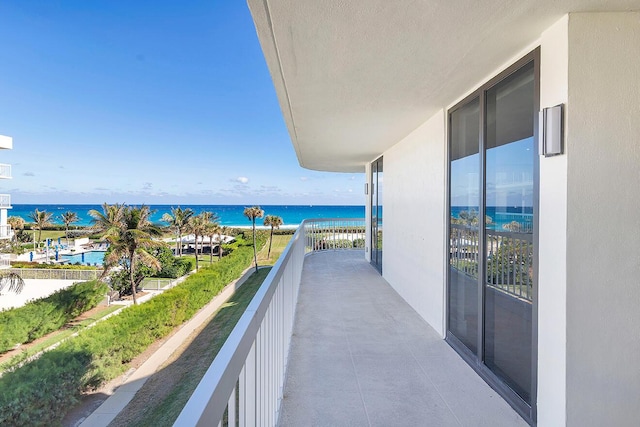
{"points": [[552, 245], [603, 229], [414, 221]]}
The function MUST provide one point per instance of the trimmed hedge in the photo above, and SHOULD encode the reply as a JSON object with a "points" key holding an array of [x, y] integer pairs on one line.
{"points": [[27, 264], [37, 318], [50, 385]]}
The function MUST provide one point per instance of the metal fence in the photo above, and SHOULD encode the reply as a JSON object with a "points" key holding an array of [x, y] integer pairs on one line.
{"points": [[509, 258], [334, 234], [244, 384], [56, 274]]}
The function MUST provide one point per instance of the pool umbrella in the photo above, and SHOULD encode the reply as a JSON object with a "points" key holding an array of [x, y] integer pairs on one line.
{"points": [[82, 256], [58, 240], [56, 255], [31, 256]]}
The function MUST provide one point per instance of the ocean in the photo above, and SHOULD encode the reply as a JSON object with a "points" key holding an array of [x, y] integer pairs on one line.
{"points": [[230, 215]]}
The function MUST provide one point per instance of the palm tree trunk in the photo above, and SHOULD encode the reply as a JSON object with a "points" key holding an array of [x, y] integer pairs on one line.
{"points": [[178, 245], [211, 249], [39, 236], [196, 248], [270, 240], [133, 283], [255, 253], [66, 234]]}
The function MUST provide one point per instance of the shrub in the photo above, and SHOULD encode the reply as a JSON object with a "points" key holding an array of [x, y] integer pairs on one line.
{"points": [[39, 317], [51, 384], [76, 266]]}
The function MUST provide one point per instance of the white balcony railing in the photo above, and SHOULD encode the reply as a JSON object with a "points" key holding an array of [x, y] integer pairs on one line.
{"points": [[5, 201], [243, 386], [5, 171]]}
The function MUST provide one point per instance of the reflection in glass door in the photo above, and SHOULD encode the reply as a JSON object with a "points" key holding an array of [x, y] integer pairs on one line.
{"points": [[492, 208], [509, 154], [376, 213], [463, 233]]}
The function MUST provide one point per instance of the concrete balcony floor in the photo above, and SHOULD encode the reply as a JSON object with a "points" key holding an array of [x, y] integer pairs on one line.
{"points": [[361, 356]]}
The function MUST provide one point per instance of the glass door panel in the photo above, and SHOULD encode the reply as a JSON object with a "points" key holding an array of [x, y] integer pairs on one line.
{"points": [[464, 211], [509, 191], [376, 213]]}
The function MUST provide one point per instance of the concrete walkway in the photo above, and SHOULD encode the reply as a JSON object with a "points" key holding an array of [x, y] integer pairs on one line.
{"points": [[111, 407], [361, 356]]}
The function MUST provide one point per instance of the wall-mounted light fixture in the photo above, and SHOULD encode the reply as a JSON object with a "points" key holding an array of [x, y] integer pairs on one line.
{"points": [[551, 131]]}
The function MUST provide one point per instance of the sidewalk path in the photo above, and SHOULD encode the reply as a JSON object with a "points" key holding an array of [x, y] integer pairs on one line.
{"points": [[111, 407]]}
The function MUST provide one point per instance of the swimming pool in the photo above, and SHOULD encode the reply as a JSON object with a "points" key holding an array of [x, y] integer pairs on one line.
{"points": [[91, 257]]}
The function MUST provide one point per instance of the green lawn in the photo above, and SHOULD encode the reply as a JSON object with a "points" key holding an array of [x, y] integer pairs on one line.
{"points": [[56, 337], [160, 400], [203, 259], [280, 242]]}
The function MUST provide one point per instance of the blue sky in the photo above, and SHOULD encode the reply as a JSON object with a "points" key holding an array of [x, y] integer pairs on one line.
{"points": [[158, 102]]}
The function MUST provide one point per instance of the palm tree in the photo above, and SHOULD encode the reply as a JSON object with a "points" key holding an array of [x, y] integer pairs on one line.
{"points": [[222, 232], [197, 226], [13, 281], [130, 234], [212, 229], [41, 219], [68, 218], [253, 213], [274, 222], [178, 219]]}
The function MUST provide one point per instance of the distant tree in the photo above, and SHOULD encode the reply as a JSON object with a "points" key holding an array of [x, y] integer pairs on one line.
{"points": [[17, 224], [41, 219], [274, 222], [209, 229], [197, 226], [130, 234], [68, 218], [178, 220], [252, 213], [513, 226], [212, 230], [221, 235]]}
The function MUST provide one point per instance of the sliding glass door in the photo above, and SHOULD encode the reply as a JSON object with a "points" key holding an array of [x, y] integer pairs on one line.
{"points": [[376, 213], [492, 244]]}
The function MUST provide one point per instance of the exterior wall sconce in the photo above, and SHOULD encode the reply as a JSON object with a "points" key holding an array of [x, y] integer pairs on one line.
{"points": [[551, 131]]}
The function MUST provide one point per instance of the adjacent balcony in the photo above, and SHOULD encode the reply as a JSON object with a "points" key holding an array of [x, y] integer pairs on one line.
{"points": [[6, 232], [327, 341], [5, 171], [5, 201]]}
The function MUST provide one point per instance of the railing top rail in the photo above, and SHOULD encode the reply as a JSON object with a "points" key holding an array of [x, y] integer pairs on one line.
{"points": [[315, 220]]}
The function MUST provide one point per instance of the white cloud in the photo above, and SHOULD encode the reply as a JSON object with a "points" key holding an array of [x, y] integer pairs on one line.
{"points": [[304, 178], [242, 180]]}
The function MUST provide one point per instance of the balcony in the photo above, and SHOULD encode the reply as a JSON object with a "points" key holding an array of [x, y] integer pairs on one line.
{"points": [[327, 341], [6, 232], [5, 171], [5, 201]]}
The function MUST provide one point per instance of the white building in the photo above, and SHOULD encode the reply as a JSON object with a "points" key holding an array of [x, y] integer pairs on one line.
{"points": [[6, 143], [442, 100]]}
